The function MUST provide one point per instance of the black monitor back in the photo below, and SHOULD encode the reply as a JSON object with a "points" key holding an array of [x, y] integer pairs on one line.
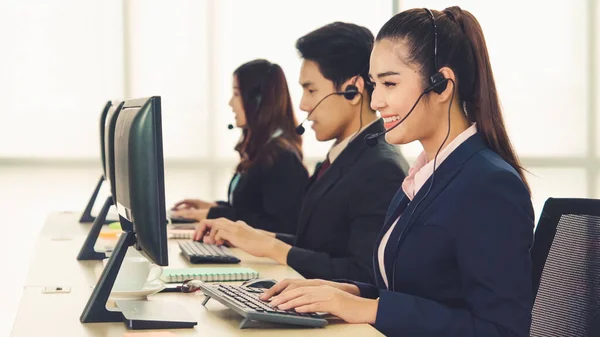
{"points": [[139, 176], [103, 123]]}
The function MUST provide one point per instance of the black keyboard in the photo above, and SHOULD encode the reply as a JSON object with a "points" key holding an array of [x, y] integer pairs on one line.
{"points": [[245, 301], [198, 252]]}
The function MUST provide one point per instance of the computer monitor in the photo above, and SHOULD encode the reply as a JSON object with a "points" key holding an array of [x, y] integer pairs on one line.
{"points": [[87, 216], [139, 175], [140, 199], [87, 251]]}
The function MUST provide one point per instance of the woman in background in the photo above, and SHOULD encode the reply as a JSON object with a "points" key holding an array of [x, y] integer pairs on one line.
{"points": [[268, 185]]}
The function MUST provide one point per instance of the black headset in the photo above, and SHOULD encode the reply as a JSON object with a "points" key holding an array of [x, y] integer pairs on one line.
{"points": [[437, 81], [351, 89], [349, 93], [259, 95], [437, 84]]}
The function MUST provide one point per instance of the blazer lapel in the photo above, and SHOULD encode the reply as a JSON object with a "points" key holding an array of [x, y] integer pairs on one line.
{"points": [[314, 193], [444, 174], [397, 206], [313, 177]]}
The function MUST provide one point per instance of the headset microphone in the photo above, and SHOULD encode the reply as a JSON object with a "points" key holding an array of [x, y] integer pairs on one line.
{"points": [[300, 129], [230, 126], [350, 92], [371, 139]]}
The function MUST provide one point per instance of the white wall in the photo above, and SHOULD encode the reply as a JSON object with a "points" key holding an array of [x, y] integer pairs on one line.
{"points": [[68, 57]]}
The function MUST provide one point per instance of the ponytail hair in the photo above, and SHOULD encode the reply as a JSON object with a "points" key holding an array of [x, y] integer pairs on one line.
{"points": [[462, 48]]}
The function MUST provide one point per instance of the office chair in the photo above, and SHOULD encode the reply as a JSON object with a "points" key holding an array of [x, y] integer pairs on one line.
{"points": [[566, 269]]}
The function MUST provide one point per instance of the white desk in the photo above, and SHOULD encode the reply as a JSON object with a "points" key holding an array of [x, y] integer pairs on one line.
{"points": [[54, 263]]}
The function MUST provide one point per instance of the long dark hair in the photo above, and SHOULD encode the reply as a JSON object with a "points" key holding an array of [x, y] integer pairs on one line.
{"points": [[461, 47], [268, 108]]}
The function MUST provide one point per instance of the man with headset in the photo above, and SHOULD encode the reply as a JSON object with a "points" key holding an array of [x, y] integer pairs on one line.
{"points": [[347, 197]]}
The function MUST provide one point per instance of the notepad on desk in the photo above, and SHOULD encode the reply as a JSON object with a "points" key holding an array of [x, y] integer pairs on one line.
{"points": [[217, 274]]}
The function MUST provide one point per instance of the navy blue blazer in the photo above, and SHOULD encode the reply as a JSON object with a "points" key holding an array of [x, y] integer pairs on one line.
{"points": [[463, 269]]}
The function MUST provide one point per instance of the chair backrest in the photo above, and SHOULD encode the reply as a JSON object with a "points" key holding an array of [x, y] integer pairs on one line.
{"points": [[566, 269]]}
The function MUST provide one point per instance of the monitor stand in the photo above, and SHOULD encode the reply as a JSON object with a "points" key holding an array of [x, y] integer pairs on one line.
{"points": [[135, 315], [86, 216], [143, 315], [87, 251]]}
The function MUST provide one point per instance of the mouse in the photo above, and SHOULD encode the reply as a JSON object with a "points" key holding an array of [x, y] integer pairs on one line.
{"points": [[263, 283]]}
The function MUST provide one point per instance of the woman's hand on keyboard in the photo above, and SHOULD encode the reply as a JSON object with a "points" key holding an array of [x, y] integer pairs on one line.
{"points": [[325, 298], [291, 284]]}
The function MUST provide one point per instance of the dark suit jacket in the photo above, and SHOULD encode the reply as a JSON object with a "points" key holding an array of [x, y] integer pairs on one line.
{"points": [[463, 269], [344, 210], [268, 197]]}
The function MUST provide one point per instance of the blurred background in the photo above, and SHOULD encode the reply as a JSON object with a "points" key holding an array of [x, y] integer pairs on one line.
{"points": [[61, 60]]}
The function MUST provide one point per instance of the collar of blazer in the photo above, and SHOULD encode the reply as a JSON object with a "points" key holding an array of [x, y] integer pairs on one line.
{"points": [[317, 188], [353, 150], [400, 204]]}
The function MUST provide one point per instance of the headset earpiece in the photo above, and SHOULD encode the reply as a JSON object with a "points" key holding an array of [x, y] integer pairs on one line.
{"points": [[350, 92], [437, 83], [259, 94]]}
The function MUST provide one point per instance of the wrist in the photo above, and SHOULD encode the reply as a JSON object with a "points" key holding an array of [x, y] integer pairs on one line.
{"points": [[350, 288], [278, 251], [370, 310], [269, 234]]}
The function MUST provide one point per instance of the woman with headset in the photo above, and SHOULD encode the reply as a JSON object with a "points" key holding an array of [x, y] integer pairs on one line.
{"points": [[453, 256], [268, 185]]}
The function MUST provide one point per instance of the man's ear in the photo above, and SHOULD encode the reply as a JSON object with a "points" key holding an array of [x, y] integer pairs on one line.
{"points": [[359, 83]]}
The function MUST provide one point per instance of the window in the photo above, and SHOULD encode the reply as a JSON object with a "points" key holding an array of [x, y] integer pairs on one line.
{"points": [[167, 55], [119, 50], [57, 72]]}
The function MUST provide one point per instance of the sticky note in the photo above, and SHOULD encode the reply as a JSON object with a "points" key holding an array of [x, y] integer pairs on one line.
{"points": [[115, 225]]}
